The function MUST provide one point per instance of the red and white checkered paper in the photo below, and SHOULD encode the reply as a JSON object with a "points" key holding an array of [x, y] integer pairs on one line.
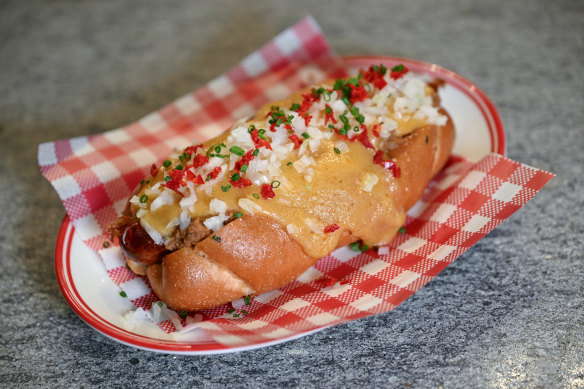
{"points": [[95, 175]]}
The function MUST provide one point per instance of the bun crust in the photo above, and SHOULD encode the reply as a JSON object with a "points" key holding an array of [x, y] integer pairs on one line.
{"points": [[256, 255]]}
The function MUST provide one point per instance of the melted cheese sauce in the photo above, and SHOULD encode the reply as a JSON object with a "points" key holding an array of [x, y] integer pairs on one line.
{"points": [[344, 187]]}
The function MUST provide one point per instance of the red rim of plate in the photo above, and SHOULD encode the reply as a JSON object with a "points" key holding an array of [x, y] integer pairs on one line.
{"points": [[66, 231]]}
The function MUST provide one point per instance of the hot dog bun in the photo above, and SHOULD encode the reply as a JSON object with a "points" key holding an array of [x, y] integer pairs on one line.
{"points": [[263, 243]]}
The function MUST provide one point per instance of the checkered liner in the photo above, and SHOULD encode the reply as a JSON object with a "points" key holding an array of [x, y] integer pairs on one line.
{"points": [[95, 175]]}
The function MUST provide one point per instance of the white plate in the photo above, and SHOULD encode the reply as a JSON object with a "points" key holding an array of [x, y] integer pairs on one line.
{"points": [[94, 296]]}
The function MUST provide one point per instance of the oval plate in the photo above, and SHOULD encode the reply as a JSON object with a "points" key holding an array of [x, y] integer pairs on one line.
{"points": [[95, 297]]}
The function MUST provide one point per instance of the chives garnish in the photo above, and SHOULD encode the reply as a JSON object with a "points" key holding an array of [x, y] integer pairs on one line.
{"points": [[398, 68], [144, 199], [230, 310], [257, 196], [355, 246], [235, 177], [247, 300], [123, 294], [402, 230], [237, 215], [167, 178], [337, 150], [216, 238], [295, 107], [251, 128], [275, 184], [225, 188], [166, 163], [106, 244], [328, 110], [289, 163], [142, 182], [179, 167], [160, 304], [243, 168], [183, 314], [305, 135], [244, 312], [237, 150], [343, 131], [256, 152], [345, 100]]}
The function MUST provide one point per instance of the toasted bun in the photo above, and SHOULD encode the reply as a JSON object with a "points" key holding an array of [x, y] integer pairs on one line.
{"points": [[255, 254]]}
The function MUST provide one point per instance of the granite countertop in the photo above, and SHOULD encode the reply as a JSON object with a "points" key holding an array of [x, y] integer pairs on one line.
{"points": [[508, 313]]}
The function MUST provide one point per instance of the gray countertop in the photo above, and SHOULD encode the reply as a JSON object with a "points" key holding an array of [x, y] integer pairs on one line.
{"points": [[508, 313]]}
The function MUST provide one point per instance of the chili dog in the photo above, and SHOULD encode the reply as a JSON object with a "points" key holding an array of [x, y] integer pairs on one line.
{"points": [[251, 210]]}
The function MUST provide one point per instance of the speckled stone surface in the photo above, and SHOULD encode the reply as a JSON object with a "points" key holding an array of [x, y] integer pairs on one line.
{"points": [[508, 313]]}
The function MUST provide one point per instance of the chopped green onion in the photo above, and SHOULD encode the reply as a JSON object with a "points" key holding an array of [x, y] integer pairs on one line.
{"points": [[356, 129], [360, 118], [256, 152], [354, 111], [142, 182], [328, 110], [237, 150], [179, 167], [402, 230], [236, 315], [305, 135], [251, 128], [355, 246], [295, 107], [216, 238], [345, 100], [343, 131], [166, 163], [144, 199], [289, 163], [231, 310], [237, 215], [364, 248], [243, 168], [354, 81], [106, 244], [123, 294], [275, 184], [247, 300], [257, 196], [167, 178], [183, 314], [160, 304], [244, 312], [235, 177], [398, 68], [337, 150], [331, 126], [225, 188]]}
